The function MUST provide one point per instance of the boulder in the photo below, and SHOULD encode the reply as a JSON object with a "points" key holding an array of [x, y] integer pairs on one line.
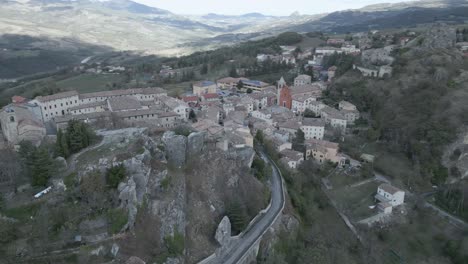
{"points": [[62, 162], [195, 143], [134, 260], [98, 251], [173, 261], [128, 198], [175, 146], [223, 233], [115, 249]]}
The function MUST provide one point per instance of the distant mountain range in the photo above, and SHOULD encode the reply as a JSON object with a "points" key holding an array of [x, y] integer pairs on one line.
{"points": [[127, 25]]}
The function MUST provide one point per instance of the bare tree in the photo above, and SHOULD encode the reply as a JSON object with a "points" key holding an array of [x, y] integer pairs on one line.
{"points": [[10, 167]]}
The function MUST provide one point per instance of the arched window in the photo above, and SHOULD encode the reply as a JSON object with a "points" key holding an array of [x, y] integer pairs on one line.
{"points": [[12, 119]]}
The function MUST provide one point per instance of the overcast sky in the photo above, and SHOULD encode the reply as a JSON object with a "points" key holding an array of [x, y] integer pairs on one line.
{"points": [[269, 7]]}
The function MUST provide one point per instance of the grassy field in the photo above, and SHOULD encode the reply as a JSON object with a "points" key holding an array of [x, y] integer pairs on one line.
{"points": [[82, 83], [356, 200], [85, 83]]}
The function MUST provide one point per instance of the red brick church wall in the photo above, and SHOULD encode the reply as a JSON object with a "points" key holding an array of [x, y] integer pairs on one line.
{"points": [[285, 97]]}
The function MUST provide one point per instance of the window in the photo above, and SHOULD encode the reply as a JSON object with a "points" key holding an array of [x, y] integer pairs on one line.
{"points": [[55, 106], [61, 104], [45, 107], [12, 119]]}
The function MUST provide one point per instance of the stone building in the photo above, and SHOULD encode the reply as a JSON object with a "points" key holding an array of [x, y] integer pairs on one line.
{"points": [[302, 80], [313, 128], [19, 122], [322, 150], [71, 102]]}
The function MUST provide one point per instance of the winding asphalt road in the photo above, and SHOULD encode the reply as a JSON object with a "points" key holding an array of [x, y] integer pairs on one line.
{"points": [[254, 233]]}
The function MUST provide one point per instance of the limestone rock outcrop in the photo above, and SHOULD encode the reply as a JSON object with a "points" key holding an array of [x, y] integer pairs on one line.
{"points": [[223, 233], [195, 144], [175, 146]]}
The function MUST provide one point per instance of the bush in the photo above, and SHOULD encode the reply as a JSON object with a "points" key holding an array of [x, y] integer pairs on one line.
{"points": [[166, 182], [117, 218], [455, 155], [259, 137], [115, 175], [182, 131], [175, 244], [70, 180], [8, 232], [309, 113]]}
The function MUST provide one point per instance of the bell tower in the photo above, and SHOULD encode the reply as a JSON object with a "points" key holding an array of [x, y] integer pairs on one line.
{"points": [[281, 84]]}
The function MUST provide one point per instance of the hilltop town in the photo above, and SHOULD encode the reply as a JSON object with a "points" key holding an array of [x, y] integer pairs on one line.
{"points": [[235, 169]]}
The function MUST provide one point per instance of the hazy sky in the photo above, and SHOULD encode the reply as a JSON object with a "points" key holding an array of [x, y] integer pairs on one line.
{"points": [[269, 7]]}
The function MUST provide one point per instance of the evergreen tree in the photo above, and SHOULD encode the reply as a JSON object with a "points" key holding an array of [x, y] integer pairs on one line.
{"points": [[192, 116], [240, 85], [259, 137], [204, 69], [78, 136], [61, 145], [42, 167], [298, 141], [237, 216], [233, 72], [115, 175]]}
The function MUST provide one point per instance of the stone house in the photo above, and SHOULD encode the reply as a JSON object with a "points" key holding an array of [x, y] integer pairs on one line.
{"points": [[282, 135], [387, 193], [290, 126], [281, 145], [176, 106], [302, 80], [20, 123], [331, 73], [263, 114], [292, 158], [316, 107], [333, 117], [300, 102], [345, 105], [313, 128], [349, 111], [322, 150], [260, 99], [210, 97]]}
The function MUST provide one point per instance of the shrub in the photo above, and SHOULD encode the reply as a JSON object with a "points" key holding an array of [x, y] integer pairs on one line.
{"points": [[455, 155], [117, 218], [115, 175], [166, 182], [175, 244], [70, 180], [182, 131]]}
